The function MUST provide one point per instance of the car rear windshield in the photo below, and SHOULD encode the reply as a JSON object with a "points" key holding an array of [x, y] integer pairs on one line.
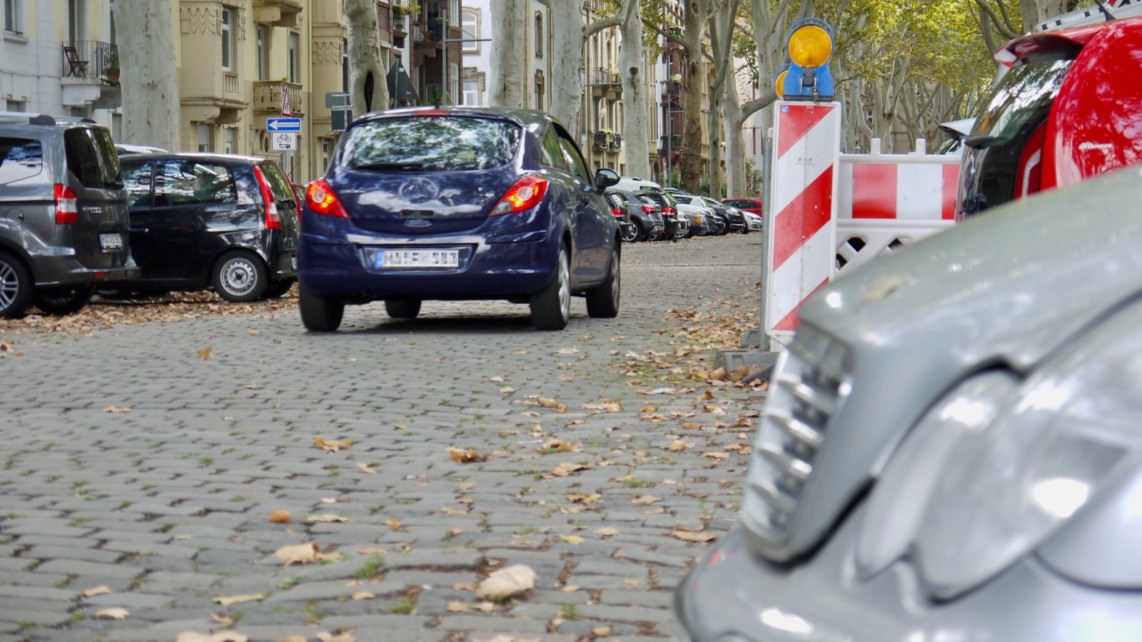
{"points": [[278, 183], [91, 157], [20, 159], [431, 143], [1022, 97]]}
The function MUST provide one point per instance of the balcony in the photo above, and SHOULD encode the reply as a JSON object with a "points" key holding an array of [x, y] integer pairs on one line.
{"points": [[604, 141], [616, 142], [671, 142], [606, 83], [89, 74], [279, 13], [215, 96], [268, 97]]}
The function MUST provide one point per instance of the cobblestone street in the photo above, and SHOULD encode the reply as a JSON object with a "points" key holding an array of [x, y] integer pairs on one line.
{"points": [[148, 459]]}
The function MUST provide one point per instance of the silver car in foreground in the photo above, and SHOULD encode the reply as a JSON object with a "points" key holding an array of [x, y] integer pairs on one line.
{"points": [[951, 449]]}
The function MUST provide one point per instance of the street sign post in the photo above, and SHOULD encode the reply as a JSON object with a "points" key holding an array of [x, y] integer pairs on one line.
{"points": [[339, 110], [283, 124], [283, 141]]}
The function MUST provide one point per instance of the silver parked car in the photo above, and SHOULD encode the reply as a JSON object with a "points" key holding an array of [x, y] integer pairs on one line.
{"points": [[952, 444]]}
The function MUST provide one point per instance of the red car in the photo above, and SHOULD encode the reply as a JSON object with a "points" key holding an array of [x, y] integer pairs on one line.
{"points": [[1069, 108], [745, 204]]}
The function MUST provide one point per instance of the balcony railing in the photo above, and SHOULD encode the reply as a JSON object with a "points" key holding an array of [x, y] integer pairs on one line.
{"points": [[268, 96], [673, 142], [606, 77], [93, 60]]}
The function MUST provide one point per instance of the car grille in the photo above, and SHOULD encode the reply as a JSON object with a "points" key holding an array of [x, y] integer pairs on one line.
{"points": [[809, 384]]}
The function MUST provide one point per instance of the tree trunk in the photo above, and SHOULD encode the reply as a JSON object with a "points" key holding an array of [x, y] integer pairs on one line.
{"points": [[149, 79], [636, 95], [506, 67], [368, 80], [735, 144], [693, 23], [566, 84]]}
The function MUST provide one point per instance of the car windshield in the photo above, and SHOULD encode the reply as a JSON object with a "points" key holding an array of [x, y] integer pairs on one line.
{"points": [[1022, 97], [91, 157], [434, 144]]}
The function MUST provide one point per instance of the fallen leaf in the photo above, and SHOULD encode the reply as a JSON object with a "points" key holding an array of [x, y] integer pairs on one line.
{"points": [[325, 518], [221, 618], [364, 595], [393, 523], [608, 406], [222, 636], [486, 607], [329, 557], [574, 540], [577, 498], [117, 410], [96, 590], [688, 536], [552, 404], [228, 600], [328, 500], [365, 468], [458, 607], [662, 391], [559, 445], [370, 550], [507, 582], [331, 445], [601, 631], [279, 517], [111, 614], [496, 379], [715, 455], [204, 353], [606, 532], [448, 510], [295, 638], [507, 390], [339, 636], [297, 554], [570, 588], [632, 582], [567, 468], [568, 351], [679, 446], [466, 456], [646, 500], [689, 425]]}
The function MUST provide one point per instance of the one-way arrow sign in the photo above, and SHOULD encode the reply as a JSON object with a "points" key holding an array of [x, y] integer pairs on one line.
{"points": [[283, 124]]}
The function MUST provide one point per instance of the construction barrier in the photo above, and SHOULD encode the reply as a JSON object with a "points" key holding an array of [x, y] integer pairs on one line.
{"points": [[831, 212]]}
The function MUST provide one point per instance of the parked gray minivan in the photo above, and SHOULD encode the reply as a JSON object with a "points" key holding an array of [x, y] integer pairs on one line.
{"points": [[63, 213]]}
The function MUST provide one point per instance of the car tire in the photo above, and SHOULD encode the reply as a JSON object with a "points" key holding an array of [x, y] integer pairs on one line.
{"points": [[15, 286], [278, 289], [63, 300], [551, 308], [603, 301], [404, 309], [632, 232], [240, 277], [319, 313]]}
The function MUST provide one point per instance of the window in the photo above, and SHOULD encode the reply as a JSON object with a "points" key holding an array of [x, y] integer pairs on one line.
{"points": [[431, 144], [575, 159], [137, 180], [538, 35], [13, 16], [179, 182], [205, 135], [263, 38], [91, 156], [471, 25], [76, 20], [453, 13], [294, 57], [227, 38], [20, 159], [344, 65], [16, 105], [471, 92], [230, 140], [553, 151]]}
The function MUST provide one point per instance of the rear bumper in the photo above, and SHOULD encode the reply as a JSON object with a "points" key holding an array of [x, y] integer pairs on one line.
{"points": [[66, 269]]}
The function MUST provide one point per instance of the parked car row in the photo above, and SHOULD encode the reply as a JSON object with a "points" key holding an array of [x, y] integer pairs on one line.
{"points": [[648, 212], [75, 216]]}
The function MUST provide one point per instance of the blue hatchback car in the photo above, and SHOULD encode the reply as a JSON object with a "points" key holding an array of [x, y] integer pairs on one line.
{"points": [[458, 203]]}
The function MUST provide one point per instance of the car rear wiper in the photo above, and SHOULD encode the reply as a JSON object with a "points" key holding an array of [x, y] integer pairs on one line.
{"points": [[400, 167]]}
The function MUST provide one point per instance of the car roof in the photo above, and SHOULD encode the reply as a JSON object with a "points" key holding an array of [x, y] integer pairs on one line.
{"points": [[201, 156], [526, 117]]}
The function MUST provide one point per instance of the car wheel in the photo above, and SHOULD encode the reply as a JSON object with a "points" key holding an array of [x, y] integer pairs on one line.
{"points": [[551, 308], [632, 232], [603, 301], [402, 308], [63, 300], [15, 287], [278, 289], [240, 277], [319, 313]]}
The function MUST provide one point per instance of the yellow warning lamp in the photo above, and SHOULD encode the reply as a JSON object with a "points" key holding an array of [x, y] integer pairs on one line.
{"points": [[779, 83], [810, 46]]}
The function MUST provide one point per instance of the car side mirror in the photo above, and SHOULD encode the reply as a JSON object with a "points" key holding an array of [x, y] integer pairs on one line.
{"points": [[604, 178]]}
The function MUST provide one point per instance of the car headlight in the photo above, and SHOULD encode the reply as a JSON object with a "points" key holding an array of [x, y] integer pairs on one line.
{"points": [[1017, 464]]}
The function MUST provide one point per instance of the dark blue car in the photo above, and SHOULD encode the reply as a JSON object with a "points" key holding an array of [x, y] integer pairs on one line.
{"points": [[458, 204]]}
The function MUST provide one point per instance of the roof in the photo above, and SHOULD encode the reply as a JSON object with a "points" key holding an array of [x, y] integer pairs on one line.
{"points": [[201, 156], [1076, 37], [526, 117]]}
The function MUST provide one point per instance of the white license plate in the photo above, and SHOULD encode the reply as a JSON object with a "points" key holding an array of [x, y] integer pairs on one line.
{"points": [[110, 242], [409, 259]]}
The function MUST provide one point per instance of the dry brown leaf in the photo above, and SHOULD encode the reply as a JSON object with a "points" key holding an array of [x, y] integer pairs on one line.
{"points": [[605, 406], [448, 510], [325, 518], [552, 404], [507, 390], [328, 500], [689, 536], [331, 445], [295, 638], [496, 379], [222, 636], [567, 468], [570, 588], [507, 582], [102, 589], [601, 631], [228, 600], [364, 595], [339, 636], [111, 614], [221, 618], [646, 500], [679, 446], [393, 524], [559, 445], [574, 540], [458, 607], [466, 456], [329, 557], [486, 607], [280, 517], [578, 498], [117, 410], [204, 353], [365, 468], [297, 554], [689, 425], [370, 550], [715, 455], [606, 532]]}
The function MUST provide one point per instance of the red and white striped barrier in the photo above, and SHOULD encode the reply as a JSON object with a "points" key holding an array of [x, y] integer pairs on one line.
{"points": [[802, 211], [914, 187]]}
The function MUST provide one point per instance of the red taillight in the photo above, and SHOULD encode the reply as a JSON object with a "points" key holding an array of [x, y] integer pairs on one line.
{"points": [[273, 219], [617, 211], [647, 209], [67, 209], [525, 194], [321, 199]]}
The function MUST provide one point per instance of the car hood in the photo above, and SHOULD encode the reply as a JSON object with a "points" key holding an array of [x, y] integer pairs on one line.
{"points": [[1004, 289]]}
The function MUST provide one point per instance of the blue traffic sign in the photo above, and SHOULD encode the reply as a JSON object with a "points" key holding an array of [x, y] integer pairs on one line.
{"points": [[284, 124]]}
